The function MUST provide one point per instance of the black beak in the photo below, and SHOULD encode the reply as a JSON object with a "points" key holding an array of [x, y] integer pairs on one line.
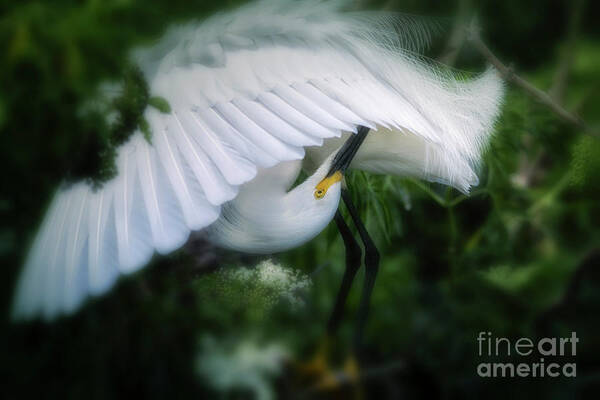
{"points": [[344, 156]]}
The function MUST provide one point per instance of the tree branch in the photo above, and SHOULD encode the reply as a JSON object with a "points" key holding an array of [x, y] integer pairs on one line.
{"points": [[561, 75], [507, 72], [457, 35]]}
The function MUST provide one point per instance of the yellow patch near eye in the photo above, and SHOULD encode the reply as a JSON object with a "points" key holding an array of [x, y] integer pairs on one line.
{"points": [[321, 188]]}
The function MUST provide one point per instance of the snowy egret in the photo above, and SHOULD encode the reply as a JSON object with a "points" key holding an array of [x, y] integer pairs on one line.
{"points": [[256, 95]]}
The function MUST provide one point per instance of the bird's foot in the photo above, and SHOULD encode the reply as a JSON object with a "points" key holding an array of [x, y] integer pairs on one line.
{"points": [[318, 364], [351, 369], [322, 375]]}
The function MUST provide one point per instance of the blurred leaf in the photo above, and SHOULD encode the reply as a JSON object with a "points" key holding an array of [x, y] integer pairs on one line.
{"points": [[160, 103]]}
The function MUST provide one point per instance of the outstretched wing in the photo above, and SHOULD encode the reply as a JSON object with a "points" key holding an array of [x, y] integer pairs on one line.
{"points": [[248, 90]]}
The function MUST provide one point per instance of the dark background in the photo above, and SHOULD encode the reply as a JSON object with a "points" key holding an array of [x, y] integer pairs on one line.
{"points": [[519, 257]]}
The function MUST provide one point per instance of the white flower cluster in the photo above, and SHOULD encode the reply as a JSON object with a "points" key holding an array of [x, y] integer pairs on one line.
{"points": [[285, 283]]}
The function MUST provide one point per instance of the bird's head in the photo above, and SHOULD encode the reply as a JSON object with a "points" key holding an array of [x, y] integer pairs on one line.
{"points": [[325, 184], [339, 162]]}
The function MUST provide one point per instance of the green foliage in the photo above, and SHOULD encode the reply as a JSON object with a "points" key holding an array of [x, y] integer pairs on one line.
{"points": [[372, 199], [585, 163]]}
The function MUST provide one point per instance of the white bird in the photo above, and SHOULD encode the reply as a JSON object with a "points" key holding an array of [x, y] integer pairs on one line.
{"points": [[256, 95]]}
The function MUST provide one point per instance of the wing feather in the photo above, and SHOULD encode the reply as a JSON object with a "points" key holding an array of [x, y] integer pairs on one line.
{"points": [[234, 168], [102, 255], [214, 184], [197, 210], [131, 222], [244, 125], [253, 151], [77, 239], [53, 280], [345, 96], [310, 109], [270, 122], [295, 117], [328, 104], [162, 207], [31, 291]]}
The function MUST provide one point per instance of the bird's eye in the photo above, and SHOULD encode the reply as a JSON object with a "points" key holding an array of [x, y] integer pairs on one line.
{"points": [[319, 193]]}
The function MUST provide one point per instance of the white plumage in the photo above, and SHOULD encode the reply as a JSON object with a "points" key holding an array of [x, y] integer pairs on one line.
{"points": [[252, 91]]}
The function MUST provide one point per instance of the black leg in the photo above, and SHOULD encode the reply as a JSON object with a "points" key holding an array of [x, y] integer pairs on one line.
{"points": [[371, 268], [353, 254]]}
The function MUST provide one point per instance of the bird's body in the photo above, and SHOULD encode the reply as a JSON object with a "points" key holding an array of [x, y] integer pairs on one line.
{"points": [[267, 217], [252, 93]]}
